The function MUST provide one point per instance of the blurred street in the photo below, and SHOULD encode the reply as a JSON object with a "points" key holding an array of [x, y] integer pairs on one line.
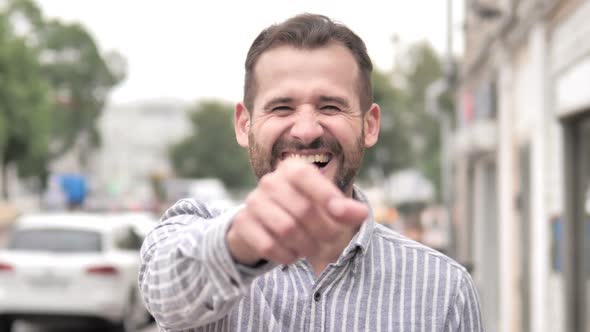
{"points": [[483, 150], [27, 327]]}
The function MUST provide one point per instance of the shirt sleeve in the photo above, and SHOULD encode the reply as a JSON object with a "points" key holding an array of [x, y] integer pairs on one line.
{"points": [[464, 313], [188, 277]]}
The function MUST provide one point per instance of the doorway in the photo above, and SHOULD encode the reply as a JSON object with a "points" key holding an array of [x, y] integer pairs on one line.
{"points": [[578, 220]]}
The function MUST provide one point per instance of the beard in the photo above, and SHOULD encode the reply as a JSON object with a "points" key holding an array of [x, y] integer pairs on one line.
{"points": [[348, 164]]}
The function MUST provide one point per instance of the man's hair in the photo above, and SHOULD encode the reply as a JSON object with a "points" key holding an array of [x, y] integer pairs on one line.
{"points": [[310, 31]]}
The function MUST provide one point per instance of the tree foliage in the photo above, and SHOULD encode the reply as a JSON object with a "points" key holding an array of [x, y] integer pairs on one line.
{"points": [[212, 151], [423, 68], [392, 151], [25, 107], [53, 84], [410, 136], [81, 79]]}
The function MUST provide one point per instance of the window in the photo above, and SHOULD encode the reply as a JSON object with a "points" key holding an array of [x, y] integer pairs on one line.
{"points": [[55, 240], [128, 239]]}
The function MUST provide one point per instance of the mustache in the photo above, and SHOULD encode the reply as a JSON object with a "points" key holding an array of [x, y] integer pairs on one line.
{"points": [[319, 143]]}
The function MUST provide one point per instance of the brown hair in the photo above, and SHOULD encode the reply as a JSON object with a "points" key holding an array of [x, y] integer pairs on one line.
{"points": [[309, 31]]}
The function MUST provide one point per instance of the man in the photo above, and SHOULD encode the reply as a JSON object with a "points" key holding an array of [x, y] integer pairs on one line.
{"points": [[303, 252]]}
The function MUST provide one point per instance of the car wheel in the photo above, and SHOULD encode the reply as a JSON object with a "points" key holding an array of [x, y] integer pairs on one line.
{"points": [[6, 324]]}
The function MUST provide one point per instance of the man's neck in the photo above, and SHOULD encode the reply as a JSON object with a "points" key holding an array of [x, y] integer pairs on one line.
{"points": [[329, 253]]}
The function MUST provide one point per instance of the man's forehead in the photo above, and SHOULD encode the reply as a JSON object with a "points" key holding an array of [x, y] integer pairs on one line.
{"points": [[276, 54], [289, 72], [316, 98]]}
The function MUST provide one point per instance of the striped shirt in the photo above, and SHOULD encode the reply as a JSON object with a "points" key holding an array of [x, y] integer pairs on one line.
{"points": [[381, 282]]}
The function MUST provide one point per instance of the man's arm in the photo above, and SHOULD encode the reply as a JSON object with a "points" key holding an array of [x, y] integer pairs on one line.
{"points": [[195, 264], [188, 277], [464, 313]]}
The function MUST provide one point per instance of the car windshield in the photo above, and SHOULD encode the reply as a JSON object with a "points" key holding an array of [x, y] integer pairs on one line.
{"points": [[55, 240]]}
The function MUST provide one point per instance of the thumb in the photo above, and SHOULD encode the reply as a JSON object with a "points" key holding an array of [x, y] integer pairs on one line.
{"points": [[348, 211]]}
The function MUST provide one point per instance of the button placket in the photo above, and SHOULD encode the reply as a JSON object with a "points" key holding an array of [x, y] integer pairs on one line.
{"points": [[318, 304], [317, 296]]}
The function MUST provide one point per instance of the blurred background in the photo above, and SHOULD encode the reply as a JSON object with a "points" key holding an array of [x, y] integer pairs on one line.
{"points": [[112, 107]]}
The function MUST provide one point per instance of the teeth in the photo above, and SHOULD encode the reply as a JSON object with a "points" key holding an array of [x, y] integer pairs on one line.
{"points": [[319, 158]]}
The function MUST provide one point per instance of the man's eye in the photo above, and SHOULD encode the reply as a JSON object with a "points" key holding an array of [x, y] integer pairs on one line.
{"points": [[282, 109], [330, 108]]}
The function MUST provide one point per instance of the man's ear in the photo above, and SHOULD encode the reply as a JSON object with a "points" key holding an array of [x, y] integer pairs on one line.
{"points": [[242, 124], [372, 123]]}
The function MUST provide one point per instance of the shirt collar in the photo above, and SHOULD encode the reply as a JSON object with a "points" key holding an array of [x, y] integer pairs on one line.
{"points": [[362, 239]]}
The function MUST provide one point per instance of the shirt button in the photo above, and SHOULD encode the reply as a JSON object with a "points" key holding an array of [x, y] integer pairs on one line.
{"points": [[317, 296]]}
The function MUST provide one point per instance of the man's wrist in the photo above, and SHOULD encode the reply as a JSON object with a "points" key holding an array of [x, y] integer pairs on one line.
{"points": [[240, 251]]}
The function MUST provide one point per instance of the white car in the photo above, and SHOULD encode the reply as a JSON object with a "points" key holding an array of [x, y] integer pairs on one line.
{"points": [[70, 268]]}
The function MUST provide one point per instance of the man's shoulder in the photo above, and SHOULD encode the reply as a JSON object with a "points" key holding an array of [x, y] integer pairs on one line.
{"points": [[191, 207], [419, 250]]}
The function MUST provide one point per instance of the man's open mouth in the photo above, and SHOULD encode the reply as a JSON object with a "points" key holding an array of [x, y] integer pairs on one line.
{"points": [[320, 160]]}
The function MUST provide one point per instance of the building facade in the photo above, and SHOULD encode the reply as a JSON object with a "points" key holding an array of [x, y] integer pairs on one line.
{"points": [[570, 75], [521, 162], [136, 139]]}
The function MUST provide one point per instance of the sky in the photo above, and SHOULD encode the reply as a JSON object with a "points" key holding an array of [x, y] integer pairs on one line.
{"points": [[190, 50]]}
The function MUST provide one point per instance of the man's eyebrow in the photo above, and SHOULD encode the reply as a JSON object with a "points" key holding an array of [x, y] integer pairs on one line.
{"points": [[277, 101], [335, 99]]}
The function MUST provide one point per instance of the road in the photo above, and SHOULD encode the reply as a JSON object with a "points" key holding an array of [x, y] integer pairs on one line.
{"points": [[25, 327]]}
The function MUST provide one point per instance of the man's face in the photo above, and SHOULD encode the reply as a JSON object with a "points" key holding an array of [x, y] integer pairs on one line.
{"points": [[307, 106]]}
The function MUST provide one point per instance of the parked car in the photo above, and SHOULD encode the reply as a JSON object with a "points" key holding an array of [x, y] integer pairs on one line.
{"points": [[71, 268], [141, 221]]}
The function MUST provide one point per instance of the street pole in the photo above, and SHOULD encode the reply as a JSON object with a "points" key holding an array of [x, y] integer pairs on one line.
{"points": [[434, 91], [446, 134]]}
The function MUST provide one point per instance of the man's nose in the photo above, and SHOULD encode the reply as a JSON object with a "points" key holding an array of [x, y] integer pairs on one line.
{"points": [[306, 126]]}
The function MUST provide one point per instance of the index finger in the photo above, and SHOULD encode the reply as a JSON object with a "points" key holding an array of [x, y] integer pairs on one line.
{"points": [[308, 180], [348, 211]]}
